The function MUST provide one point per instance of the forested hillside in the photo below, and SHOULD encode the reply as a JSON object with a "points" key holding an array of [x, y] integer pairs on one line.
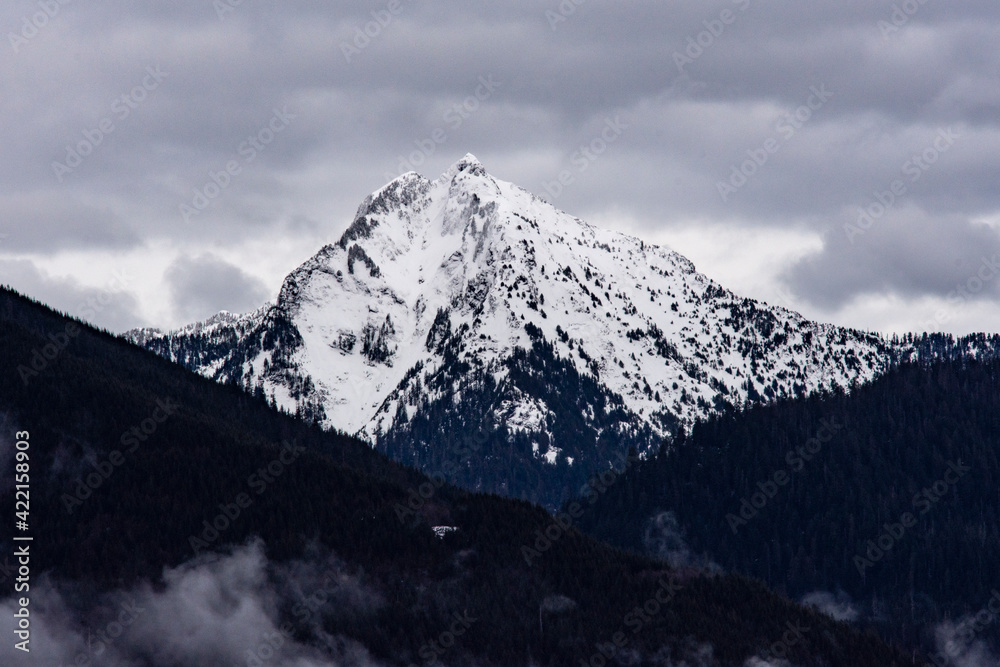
{"points": [[166, 455], [890, 492]]}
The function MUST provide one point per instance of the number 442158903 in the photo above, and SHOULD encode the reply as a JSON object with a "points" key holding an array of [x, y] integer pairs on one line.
{"points": [[22, 479]]}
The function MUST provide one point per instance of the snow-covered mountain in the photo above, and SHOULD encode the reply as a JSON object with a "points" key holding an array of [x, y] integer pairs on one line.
{"points": [[467, 326]]}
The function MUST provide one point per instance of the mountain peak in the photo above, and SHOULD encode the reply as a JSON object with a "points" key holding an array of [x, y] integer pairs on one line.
{"points": [[469, 164], [468, 160], [454, 295]]}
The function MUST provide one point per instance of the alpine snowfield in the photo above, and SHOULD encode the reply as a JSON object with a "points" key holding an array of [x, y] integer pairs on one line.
{"points": [[438, 286]]}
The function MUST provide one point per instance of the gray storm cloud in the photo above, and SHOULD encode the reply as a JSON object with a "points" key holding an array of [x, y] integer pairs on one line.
{"points": [[703, 85], [203, 285]]}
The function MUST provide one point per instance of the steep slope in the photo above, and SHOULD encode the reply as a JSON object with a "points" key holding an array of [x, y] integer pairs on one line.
{"points": [[337, 571], [466, 305]]}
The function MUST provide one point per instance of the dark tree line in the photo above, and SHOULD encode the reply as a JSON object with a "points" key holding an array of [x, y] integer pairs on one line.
{"points": [[749, 493], [589, 425], [340, 496]]}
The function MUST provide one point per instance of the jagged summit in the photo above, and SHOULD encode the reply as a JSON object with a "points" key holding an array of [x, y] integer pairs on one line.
{"points": [[469, 164], [465, 303]]}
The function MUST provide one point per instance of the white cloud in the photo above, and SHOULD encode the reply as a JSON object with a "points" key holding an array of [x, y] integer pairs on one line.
{"points": [[218, 610]]}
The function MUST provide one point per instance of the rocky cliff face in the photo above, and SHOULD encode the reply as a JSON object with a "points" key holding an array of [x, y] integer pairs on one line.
{"points": [[463, 323]]}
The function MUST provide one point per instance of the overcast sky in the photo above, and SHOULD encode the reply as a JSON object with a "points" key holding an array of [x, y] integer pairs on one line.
{"points": [[748, 135]]}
